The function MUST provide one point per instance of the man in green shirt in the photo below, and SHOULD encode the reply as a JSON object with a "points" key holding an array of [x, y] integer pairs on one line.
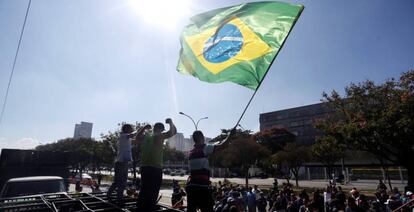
{"points": [[152, 144]]}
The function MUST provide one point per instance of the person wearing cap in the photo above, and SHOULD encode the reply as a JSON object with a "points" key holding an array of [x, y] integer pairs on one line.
{"points": [[407, 197], [198, 192]]}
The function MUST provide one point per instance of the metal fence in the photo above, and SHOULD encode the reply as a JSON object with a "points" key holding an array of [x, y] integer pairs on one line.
{"points": [[81, 202]]}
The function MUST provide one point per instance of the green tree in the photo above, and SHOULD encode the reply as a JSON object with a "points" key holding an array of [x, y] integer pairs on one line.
{"points": [[241, 150], [328, 151], [377, 118], [102, 155], [274, 138], [173, 155], [293, 156], [80, 151]]}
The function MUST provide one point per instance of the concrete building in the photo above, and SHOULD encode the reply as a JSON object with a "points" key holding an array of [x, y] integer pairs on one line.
{"points": [[298, 120], [180, 143], [83, 130]]}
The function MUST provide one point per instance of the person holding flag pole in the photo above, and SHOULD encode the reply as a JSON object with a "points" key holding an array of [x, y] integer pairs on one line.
{"points": [[197, 189]]}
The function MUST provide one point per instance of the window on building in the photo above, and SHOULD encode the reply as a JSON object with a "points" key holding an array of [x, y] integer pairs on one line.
{"points": [[307, 122], [278, 126], [295, 123]]}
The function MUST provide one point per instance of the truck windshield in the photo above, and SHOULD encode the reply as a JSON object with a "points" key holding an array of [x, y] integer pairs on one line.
{"points": [[14, 189]]}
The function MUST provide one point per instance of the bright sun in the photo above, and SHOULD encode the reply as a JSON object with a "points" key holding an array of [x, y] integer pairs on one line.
{"points": [[164, 13]]}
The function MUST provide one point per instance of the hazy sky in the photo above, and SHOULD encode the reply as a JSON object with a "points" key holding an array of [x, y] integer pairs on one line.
{"points": [[109, 61]]}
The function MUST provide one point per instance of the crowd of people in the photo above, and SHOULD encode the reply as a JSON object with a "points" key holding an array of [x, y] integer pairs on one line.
{"points": [[237, 198], [202, 195]]}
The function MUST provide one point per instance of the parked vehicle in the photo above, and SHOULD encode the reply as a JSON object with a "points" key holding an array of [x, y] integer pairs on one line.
{"points": [[16, 163], [86, 179], [181, 172], [24, 186], [262, 175], [340, 179], [167, 171]]}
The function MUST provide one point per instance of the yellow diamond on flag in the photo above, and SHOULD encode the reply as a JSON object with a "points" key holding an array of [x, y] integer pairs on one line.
{"points": [[220, 47]]}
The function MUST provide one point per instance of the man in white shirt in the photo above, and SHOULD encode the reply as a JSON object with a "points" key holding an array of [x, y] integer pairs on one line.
{"points": [[123, 158]]}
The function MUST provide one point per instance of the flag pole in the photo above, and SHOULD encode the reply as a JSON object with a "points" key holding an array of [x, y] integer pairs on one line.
{"points": [[248, 104], [271, 63], [251, 98]]}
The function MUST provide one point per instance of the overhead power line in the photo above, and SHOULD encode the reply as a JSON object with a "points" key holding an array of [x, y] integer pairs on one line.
{"points": [[14, 64]]}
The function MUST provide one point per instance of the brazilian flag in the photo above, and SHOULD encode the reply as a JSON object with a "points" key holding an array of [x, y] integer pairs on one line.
{"points": [[236, 44]]}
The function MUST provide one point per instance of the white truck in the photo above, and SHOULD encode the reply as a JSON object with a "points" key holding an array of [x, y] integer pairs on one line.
{"points": [[30, 172], [25, 186]]}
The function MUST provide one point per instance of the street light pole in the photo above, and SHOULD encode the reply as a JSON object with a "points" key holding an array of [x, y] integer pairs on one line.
{"points": [[195, 124], [199, 121]]}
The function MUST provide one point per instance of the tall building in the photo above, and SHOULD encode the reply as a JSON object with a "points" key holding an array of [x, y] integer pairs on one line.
{"points": [[298, 120], [180, 143], [83, 130]]}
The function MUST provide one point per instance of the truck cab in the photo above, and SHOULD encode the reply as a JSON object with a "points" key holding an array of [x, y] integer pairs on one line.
{"points": [[25, 186], [31, 169]]}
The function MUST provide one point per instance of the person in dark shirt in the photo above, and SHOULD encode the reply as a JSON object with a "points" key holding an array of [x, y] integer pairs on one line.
{"points": [[177, 196], [381, 186], [352, 206], [261, 203]]}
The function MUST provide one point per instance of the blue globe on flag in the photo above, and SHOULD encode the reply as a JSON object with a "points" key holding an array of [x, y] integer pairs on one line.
{"points": [[227, 42]]}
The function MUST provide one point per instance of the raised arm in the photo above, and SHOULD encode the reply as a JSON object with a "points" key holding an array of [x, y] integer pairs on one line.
{"points": [[171, 132], [139, 135], [132, 134]]}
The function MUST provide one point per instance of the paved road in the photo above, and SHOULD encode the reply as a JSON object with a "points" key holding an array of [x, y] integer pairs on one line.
{"points": [[166, 193], [360, 184]]}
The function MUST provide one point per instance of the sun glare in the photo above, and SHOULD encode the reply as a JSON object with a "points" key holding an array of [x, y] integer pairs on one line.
{"points": [[164, 13]]}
